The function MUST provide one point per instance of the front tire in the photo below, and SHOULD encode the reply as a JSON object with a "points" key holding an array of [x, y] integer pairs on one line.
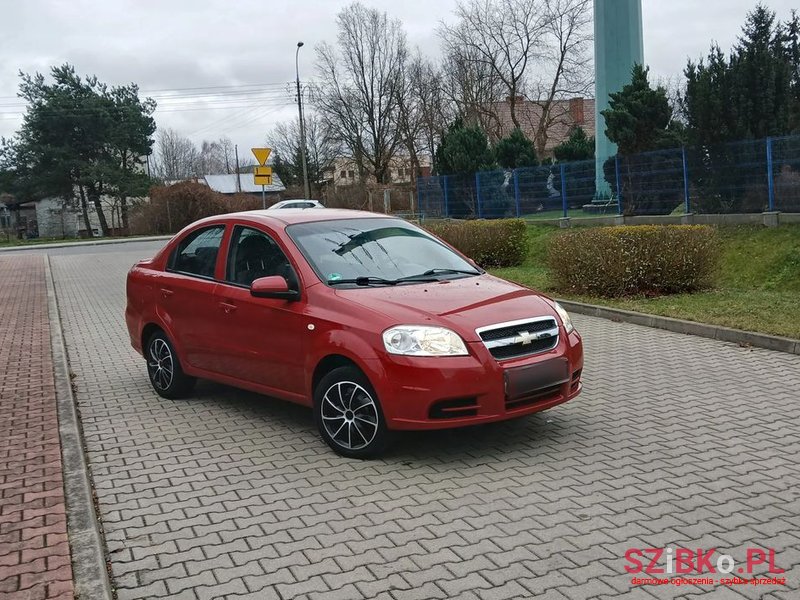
{"points": [[349, 415], [164, 368]]}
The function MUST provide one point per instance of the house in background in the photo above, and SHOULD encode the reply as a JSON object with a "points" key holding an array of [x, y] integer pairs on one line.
{"points": [[53, 217], [344, 171], [564, 116], [17, 218]]}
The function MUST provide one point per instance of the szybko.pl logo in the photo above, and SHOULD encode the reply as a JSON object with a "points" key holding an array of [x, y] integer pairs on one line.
{"points": [[699, 562]]}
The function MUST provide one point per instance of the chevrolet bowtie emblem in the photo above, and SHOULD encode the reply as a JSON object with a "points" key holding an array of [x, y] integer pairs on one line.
{"points": [[525, 338]]}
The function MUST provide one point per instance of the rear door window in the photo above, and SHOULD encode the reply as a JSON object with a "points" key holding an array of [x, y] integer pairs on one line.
{"points": [[197, 252]]}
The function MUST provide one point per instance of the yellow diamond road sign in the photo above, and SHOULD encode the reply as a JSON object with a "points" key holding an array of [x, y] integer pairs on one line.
{"points": [[262, 175], [261, 154]]}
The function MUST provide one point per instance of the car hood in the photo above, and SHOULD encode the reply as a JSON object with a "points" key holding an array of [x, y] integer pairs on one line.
{"points": [[461, 304]]}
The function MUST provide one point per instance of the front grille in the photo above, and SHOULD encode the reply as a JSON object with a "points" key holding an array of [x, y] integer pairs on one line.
{"points": [[512, 330], [520, 338]]}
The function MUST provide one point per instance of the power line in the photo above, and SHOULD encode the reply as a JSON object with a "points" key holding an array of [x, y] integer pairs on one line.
{"points": [[188, 100], [235, 120], [54, 113], [200, 90], [216, 87], [176, 100]]}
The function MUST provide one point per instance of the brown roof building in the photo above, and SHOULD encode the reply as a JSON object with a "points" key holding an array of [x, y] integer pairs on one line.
{"points": [[563, 116]]}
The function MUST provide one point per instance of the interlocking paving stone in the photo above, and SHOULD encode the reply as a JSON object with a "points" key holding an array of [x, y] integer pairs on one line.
{"points": [[34, 551], [676, 440]]}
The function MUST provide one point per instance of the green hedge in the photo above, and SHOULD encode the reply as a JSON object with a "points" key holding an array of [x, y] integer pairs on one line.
{"points": [[634, 260], [495, 243]]}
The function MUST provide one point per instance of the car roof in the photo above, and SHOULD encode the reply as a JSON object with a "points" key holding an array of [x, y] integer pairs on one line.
{"points": [[292, 216]]}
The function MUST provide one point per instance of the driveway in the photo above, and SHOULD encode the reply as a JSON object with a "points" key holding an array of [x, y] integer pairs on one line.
{"points": [[676, 442]]}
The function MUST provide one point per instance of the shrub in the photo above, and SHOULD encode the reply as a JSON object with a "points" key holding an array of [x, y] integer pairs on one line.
{"points": [[632, 260], [496, 243], [173, 207]]}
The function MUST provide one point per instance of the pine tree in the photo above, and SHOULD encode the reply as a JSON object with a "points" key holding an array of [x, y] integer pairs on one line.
{"points": [[578, 146], [752, 93], [638, 116], [515, 151], [463, 150]]}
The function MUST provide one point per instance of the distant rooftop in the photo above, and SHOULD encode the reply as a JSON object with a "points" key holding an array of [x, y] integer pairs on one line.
{"points": [[226, 184]]}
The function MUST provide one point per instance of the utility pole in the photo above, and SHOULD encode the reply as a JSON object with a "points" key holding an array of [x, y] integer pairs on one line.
{"points": [[306, 187], [238, 177]]}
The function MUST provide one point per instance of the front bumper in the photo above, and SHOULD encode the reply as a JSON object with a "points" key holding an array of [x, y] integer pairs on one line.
{"points": [[446, 392]]}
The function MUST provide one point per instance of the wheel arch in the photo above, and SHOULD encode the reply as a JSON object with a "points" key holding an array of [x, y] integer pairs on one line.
{"points": [[329, 363], [147, 332]]}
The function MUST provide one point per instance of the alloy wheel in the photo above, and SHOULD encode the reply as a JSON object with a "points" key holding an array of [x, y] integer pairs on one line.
{"points": [[349, 415], [160, 364]]}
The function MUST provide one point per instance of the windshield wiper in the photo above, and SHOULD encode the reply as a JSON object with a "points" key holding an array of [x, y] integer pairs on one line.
{"points": [[429, 272], [364, 281]]}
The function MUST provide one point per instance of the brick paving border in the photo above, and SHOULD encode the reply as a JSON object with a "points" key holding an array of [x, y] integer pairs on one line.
{"points": [[34, 548]]}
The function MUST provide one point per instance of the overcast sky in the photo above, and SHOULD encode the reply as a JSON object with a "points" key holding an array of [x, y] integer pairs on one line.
{"points": [[176, 44]]}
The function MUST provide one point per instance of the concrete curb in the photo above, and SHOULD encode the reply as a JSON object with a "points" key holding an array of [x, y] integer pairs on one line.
{"points": [[98, 242], [715, 332], [89, 571]]}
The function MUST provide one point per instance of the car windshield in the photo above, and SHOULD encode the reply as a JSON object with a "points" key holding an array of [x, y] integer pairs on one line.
{"points": [[363, 252]]}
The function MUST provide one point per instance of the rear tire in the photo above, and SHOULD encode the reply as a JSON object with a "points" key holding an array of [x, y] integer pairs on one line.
{"points": [[349, 415], [164, 368]]}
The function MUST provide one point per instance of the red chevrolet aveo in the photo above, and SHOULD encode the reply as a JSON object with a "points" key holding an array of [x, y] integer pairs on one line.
{"points": [[370, 320]]}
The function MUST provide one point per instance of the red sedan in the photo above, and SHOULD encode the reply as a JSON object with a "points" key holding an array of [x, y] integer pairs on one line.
{"points": [[370, 320]]}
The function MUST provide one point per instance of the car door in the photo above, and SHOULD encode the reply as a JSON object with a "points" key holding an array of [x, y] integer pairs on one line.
{"points": [[264, 341], [186, 295]]}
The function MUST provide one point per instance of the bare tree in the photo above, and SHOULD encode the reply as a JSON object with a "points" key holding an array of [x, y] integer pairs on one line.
{"points": [[435, 110], [503, 35], [424, 110], [361, 81], [217, 157], [675, 86], [176, 156], [285, 138], [472, 89], [409, 110], [564, 67], [539, 49]]}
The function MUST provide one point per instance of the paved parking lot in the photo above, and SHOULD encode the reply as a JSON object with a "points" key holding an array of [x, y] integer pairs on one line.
{"points": [[676, 441]]}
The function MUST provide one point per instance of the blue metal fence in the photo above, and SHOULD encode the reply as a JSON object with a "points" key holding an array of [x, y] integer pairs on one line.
{"points": [[741, 177]]}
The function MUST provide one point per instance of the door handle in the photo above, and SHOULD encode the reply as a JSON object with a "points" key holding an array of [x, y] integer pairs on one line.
{"points": [[227, 307], [166, 293]]}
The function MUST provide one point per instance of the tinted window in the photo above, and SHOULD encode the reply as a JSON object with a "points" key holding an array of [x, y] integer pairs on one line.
{"points": [[254, 254], [385, 248], [299, 205], [197, 252]]}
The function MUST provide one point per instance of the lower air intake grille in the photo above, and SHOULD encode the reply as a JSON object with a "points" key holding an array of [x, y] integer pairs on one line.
{"points": [[453, 408]]}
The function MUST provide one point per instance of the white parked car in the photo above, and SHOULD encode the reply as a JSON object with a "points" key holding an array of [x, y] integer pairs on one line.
{"points": [[300, 203]]}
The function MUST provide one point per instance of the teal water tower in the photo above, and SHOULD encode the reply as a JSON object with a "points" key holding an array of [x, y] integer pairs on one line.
{"points": [[617, 47]]}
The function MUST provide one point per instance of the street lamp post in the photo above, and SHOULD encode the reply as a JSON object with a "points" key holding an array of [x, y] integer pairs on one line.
{"points": [[302, 121]]}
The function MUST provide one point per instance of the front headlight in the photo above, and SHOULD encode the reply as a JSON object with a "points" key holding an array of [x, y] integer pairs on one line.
{"points": [[565, 318], [421, 340]]}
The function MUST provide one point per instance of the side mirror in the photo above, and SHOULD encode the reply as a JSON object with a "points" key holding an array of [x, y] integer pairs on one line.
{"points": [[274, 286]]}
